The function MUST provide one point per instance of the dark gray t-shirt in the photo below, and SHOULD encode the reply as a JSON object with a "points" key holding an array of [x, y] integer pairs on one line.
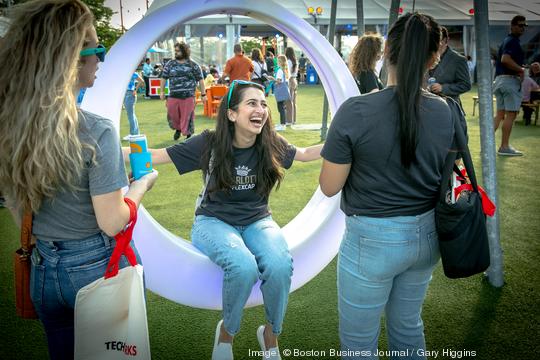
{"points": [[243, 205], [365, 134], [70, 215]]}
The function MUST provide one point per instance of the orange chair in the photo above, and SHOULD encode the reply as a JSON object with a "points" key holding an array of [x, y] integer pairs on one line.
{"points": [[198, 99], [214, 95]]}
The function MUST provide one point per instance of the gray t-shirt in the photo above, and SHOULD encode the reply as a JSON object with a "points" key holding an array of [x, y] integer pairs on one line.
{"points": [[70, 215], [243, 205], [364, 133]]}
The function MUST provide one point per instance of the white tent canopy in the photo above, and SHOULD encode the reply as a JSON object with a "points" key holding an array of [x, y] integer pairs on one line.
{"points": [[449, 12]]}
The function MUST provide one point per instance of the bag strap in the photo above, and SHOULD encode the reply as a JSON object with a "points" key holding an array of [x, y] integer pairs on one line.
{"points": [[259, 75], [462, 148], [123, 239], [26, 231]]}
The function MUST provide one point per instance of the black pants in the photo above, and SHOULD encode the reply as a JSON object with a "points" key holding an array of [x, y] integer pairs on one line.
{"points": [[146, 85], [282, 112], [527, 114]]}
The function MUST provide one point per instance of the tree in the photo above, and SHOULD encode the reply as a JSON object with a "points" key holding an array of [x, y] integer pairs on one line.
{"points": [[106, 33], [249, 45]]}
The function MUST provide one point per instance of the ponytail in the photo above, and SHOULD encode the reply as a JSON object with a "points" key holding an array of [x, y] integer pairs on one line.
{"points": [[412, 41]]}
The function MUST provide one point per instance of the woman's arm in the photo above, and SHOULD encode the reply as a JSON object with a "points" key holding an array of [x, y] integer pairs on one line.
{"points": [[112, 213], [308, 154], [159, 156], [333, 177]]}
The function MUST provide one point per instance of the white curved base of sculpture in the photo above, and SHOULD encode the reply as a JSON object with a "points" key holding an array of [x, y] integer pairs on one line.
{"points": [[173, 267]]}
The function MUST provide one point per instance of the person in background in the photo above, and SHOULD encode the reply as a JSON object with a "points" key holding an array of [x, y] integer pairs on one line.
{"points": [[212, 78], [243, 159], [147, 72], [239, 67], [270, 68], [362, 62], [130, 98], [74, 158], [282, 76], [183, 75], [451, 73], [470, 67], [260, 71], [535, 72], [302, 68], [527, 86], [385, 152], [509, 74], [293, 85], [158, 69], [204, 71]]}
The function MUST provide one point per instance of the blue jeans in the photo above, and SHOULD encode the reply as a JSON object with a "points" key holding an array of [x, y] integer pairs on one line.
{"points": [[129, 104], [247, 253], [59, 269], [385, 264]]}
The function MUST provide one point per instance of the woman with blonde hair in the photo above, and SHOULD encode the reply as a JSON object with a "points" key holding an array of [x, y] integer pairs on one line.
{"points": [[362, 62], [59, 162]]}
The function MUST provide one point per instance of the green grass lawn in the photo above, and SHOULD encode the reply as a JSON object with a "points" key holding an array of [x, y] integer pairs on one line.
{"points": [[458, 315]]}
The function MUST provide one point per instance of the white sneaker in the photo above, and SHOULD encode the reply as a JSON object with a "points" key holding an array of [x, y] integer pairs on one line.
{"points": [[126, 138], [221, 351], [280, 127], [270, 354]]}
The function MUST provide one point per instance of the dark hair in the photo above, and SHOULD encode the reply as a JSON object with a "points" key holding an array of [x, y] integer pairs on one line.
{"points": [[238, 48], [516, 19], [444, 33], [185, 51], [256, 55], [214, 71], [289, 53], [147, 59], [270, 148], [412, 41]]}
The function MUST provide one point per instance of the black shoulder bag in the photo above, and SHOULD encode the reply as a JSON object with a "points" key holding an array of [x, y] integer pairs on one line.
{"points": [[461, 226]]}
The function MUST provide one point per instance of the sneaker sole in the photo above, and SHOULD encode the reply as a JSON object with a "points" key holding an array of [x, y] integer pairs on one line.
{"points": [[507, 154]]}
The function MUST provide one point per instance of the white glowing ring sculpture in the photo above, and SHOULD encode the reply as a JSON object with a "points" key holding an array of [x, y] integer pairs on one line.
{"points": [[173, 267]]}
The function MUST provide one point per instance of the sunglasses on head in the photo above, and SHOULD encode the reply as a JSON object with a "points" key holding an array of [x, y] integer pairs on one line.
{"points": [[241, 82], [99, 51]]}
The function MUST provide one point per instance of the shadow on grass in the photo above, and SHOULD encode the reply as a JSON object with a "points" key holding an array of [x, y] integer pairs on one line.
{"points": [[484, 315]]}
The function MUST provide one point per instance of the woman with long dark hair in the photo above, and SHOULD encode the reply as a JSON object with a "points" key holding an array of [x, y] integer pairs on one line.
{"points": [[59, 162], [385, 151], [293, 84], [242, 160]]}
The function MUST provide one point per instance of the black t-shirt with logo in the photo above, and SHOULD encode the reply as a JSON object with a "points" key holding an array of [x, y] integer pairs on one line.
{"points": [[243, 205]]}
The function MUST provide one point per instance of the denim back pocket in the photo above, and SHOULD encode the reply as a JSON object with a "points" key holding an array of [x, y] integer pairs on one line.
{"points": [[37, 278]]}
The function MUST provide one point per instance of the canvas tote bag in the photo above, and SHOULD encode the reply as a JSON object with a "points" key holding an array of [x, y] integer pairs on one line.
{"points": [[110, 313]]}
